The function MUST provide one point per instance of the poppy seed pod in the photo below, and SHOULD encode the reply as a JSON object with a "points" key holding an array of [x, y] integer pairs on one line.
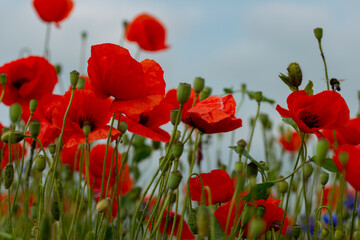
{"points": [[40, 163], [199, 84], [34, 128], [52, 148], [205, 93], [123, 127], [173, 115], [318, 32], [258, 96], [15, 112], [321, 150], [12, 137], [33, 105], [74, 78], [256, 228], [307, 171], [296, 231], [3, 77], [86, 130], [178, 148], [174, 180], [9, 175], [183, 92], [295, 74], [203, 221], [283, 187], [103, 205], [324, 178], [55, 210], [247, 214]]}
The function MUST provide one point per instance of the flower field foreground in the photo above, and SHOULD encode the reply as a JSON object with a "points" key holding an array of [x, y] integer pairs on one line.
{"points": [[71, 162]]}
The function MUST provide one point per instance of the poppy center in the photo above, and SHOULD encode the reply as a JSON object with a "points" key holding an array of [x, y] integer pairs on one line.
{"points": [[19, 82], [311, 120], [87, 120], [143, 119]]}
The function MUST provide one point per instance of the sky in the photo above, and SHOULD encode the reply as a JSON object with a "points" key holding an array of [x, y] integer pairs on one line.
{"points": [[228, 44]]}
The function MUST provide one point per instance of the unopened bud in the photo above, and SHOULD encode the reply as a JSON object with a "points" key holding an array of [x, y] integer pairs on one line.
{"points": [[34, 128], [241, 144], [344, 157], [74, 77], [339, 234], [258, 96], [257, 228], [318, 32], [174, 180], [296, 231], [3, 77], [102, 205], [295, 74], [307, 171], [203, 221], [12, 137], [239, 167], [52, 148], [283, 187], [252, 170], [55, 210], [321, 150], [81, 83], [199, 84], [123, 127], [260, 211], [324, 178], [177, 149], [33, 105], [173, 115], [40, 163], [9, 175], [247, 214], [45, 228], [183, 92], [205, 93], [15, 112]]}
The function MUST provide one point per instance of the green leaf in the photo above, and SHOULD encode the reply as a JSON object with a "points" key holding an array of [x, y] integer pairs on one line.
{"points": [[258, 191], [228, 90], [219, 232], [291, 122], [328, 164], [309, 88], [271, 101]]}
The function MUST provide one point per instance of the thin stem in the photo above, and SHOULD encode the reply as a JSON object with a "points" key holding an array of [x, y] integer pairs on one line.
{"points": [[253, 127], [325, 66], [47, 40], [353, 216]]}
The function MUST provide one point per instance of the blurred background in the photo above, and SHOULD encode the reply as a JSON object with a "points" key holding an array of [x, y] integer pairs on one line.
{"points": [[228, 44]]}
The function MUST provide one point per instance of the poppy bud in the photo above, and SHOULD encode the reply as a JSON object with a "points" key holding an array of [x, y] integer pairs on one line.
{"points": [[15, 112], [192, 221], [324, 178], [321, 150], [239, 167], [81, 83], [33, 104], [241, 144], [295, 74], [173, 115], [199, 84], [283, 187], [174, 180], [324, 233], [103, 205], [34, 210], [3, 79], [178, 148], [59, 194], [58, 69], [339, 234], [247, 214], [260, 211], [258, 96], [74, 77], [12, 137], [307, 171], [52, 148], [296, 231], [205, 93], [45, 228], [86, 130], [344, 157], [155, 145], [318, 32], [90, 236], [183, 92], [252, 170], [203, 221], [34, 128], [9, 175], [55, 210], [40, 163], [123, 127], [256, 228]]}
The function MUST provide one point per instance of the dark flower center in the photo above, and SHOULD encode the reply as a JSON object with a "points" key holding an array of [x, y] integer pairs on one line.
{"points": [[86, 120], [143, 119], [19, 82], [311, 120]]}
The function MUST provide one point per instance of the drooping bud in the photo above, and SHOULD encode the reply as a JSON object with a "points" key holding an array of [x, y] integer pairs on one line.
{"points": [[9, 175], [123, 127], [81, 83], [260, 211], [174, 180], [339, 234], [74, 77], [203, 221], [86, 130], [55, 210], [3, 77], [183, 92], [15, 112], [321, 150], [296, 231], [199, 84], [34, 128], [318, 32], [205, 93], [45, 228], [252, 170], [307, 171], [241, 144], [256, 228], [295, 74], [40, 163], [324, 178], [102, 205], [258, 96], [33, 105], [247, 214], [177, 149], [173, 115], [283, 187], [52, 148], [12, 137]]}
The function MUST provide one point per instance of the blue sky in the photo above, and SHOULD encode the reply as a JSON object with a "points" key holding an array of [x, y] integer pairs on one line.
{"points": [[226, 43]]}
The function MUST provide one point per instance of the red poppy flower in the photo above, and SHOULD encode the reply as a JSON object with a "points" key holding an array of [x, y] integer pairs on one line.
{"points": [[325, 110], [171, 97], [148, 32], [290, 141], [186, 233], [351, 170], [54, 10], [28, 78], [136, 87], [350, 134], [214, 115], [147, 124], [219, 182], [273, 215], [86, 109], [96, 170]]}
